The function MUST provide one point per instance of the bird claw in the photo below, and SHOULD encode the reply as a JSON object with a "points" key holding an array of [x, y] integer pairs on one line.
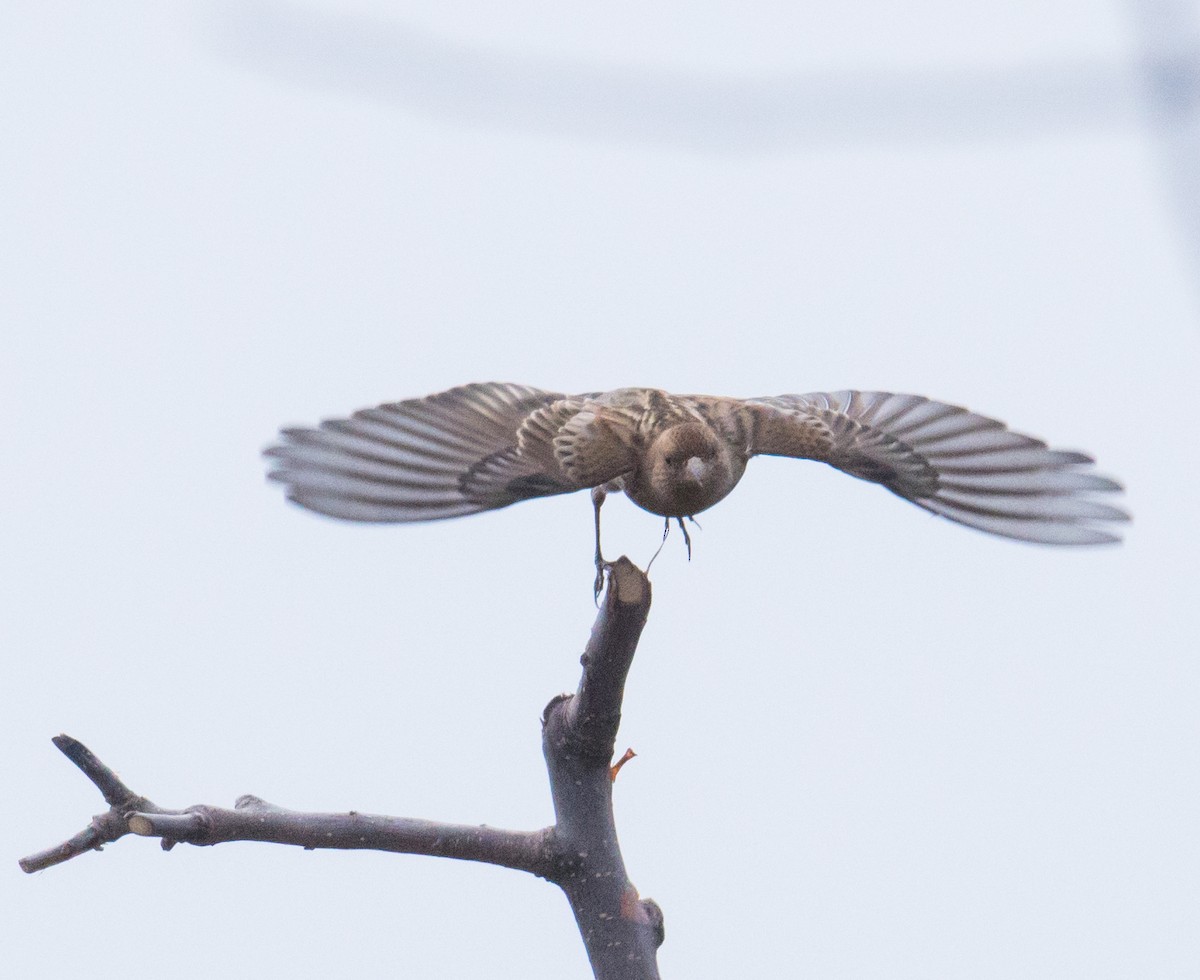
{"points": [[601, 568]]}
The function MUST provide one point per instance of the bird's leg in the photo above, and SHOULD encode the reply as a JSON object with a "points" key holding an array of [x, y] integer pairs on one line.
{"points": [[598, 495], [686, 539]]}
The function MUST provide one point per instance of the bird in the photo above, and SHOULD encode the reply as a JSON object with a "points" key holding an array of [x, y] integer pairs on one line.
{"points": [[484, 446]]}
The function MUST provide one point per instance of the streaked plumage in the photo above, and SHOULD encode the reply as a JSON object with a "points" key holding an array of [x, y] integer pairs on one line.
{"points": [[484, 446]]}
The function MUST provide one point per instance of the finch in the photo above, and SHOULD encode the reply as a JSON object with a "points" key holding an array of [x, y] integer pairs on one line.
{"points": [[484, 446]]}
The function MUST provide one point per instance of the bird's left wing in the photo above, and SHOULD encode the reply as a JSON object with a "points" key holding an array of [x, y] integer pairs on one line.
{"points": [[946, 459], [424, 459]]}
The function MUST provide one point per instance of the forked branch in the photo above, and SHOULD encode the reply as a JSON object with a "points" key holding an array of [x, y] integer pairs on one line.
{"points": [[579, 853]]}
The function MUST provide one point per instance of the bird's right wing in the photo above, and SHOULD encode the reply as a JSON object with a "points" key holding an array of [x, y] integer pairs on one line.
{"points": [[946, 459], [423, 459]]}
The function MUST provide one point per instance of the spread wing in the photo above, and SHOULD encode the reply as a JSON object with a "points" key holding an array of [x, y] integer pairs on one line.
{"points": [[946, 459], [454, 453]]}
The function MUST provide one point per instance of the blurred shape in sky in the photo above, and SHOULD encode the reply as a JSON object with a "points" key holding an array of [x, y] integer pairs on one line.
{"points": [[727, 113], [702, 111], [1169, 36]]}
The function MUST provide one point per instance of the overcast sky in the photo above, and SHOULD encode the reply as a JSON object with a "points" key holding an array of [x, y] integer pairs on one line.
{"points": [[870, 743]]}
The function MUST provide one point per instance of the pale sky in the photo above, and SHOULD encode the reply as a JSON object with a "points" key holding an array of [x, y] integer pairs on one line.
{"points": [[870, 743]]}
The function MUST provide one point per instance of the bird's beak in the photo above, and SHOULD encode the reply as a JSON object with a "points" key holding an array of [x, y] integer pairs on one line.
{"points": [[696, 469]]}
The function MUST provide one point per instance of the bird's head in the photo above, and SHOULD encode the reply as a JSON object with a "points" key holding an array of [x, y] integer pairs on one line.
{"points": [[689, 468]]}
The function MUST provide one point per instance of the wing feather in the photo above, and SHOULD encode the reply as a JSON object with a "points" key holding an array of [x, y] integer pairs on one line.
{"points": [[413, 460], [950, 461]]}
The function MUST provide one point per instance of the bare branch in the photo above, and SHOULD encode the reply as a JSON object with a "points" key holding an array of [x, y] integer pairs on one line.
{"points": [[115, 792], [104, 828], [253, 819], [579, 853], [622, 932]]}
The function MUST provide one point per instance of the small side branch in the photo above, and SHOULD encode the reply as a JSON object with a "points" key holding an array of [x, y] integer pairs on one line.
{"points": [[253, 819]]}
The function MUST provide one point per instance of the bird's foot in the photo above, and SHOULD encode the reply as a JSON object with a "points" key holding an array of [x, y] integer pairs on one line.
{"points": [[601, 567]]}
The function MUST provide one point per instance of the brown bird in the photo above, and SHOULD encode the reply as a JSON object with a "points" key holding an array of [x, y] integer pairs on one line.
{"points": [[484, 446]]}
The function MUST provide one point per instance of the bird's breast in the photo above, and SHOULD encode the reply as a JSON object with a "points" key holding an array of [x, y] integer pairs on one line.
{"points": [[675, 498]]}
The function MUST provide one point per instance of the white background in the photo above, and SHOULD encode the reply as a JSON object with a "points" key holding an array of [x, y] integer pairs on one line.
{"points": [[871, 743]]}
